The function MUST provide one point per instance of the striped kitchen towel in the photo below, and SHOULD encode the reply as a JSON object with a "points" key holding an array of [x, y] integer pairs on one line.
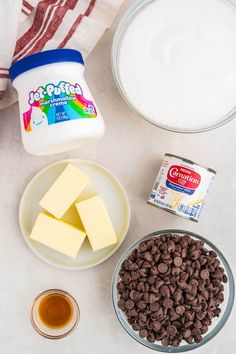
{"points": [[31, 26]]}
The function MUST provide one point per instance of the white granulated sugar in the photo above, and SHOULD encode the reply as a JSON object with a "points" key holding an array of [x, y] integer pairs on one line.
{"points": [[177, 62]]}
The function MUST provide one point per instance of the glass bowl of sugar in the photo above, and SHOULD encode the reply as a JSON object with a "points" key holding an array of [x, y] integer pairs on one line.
{"points": [[174, 62]]}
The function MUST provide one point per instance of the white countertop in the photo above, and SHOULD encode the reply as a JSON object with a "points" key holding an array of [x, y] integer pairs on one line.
{"points": [[132, 149]]}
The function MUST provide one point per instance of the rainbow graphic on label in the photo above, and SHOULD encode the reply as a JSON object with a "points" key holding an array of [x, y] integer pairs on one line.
{"points": [[54, 104]]}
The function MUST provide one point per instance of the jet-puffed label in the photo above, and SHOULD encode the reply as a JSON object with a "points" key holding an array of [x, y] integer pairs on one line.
{"points": [[52, 104], [181, 187]]}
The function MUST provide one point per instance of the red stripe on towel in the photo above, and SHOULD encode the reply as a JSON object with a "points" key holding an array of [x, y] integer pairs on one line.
{"points": [[71, 31], [36, 25], [76, 24], [27, 5], [54, 25], [4, 76], [48, 31], [24, 12], [90, 8]]}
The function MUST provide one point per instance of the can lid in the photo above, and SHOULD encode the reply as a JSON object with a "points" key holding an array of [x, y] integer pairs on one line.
{"points": [[191, 162], [44, 58]]}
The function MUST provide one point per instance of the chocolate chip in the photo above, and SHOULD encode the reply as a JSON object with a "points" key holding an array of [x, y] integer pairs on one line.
{"points": [[189, 340], [162, 268], [156, 325], [217, 312], [195, 254], [182, 284], [171, 330], [120, 286], [204, 329], [165, 341], [146, 265], [142, 317], [142, 247], [156, 257], [154, 307], [152, 298], [141, 305], [177, 297], [148, 256], [178, 261], [198, 339], [189, 315], [151, 280], [213, 254], [154, 289], [170, 246], [154, 250], [134, 275], [180, 309], [196, 332], [175, 342], [175, 271], [154, 270], [141, 323], [131, 320], [159, 283], [151, 337], [143, 333], [204, 274], [216, 263], [165, 291], [165, 255], [150, 243], [199, 244], [160, 313], [141, 286], [129, 304], [187, 333], [145, 297], [172, 314], [121, 304], [188, 324], [177, 324], [167, 303], [127, 277], [225, 279], [197, 324], [132, 313], [136, 326], [183, 242]]}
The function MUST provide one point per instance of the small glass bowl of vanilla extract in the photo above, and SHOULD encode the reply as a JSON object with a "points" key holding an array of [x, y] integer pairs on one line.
{"points": [[54, 314]]}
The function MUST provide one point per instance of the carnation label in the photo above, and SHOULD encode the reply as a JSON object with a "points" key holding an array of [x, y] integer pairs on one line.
{"points": [[181, 187]]}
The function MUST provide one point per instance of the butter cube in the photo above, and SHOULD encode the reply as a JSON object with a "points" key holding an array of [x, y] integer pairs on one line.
{"points": [[64, 191], [97, 223], [58, 235]]}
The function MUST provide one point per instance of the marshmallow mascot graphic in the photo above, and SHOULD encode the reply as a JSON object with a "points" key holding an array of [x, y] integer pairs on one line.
{"points": [[38, 118]]}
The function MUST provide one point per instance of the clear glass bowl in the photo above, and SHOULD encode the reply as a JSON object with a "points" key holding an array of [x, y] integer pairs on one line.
{"points": [[135, 7], [217, 323], [49, 332]]}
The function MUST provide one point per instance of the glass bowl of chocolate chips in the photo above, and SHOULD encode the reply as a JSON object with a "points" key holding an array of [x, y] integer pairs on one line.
{"points": [[173, 291]]}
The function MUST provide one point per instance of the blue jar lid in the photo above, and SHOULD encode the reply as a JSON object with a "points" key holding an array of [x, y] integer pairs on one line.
{"points": [[44, 58]]}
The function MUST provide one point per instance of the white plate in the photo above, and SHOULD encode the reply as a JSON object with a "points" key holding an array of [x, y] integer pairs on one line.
{"points": [[102, 182]]}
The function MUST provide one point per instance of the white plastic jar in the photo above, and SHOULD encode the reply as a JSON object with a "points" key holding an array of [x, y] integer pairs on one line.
{"points": [[57, 109]]}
